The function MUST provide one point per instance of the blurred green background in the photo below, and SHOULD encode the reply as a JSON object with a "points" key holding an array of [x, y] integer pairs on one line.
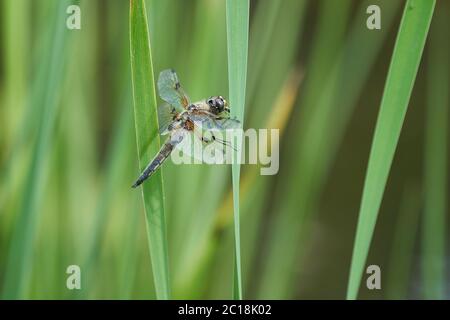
{"points": [[68, 153]]}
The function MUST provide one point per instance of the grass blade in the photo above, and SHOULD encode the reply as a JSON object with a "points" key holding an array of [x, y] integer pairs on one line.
{"points": [[435, 158], [21, 250], [402, 248], [237, 40], [15, 28], [400, 80], [148, 144]]}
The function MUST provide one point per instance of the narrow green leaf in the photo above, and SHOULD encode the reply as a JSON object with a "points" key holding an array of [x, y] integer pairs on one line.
{"points": [[400, 80], [20, 254], [435, 158], [402, 245], [237, 39], [148, 144], [16, 27]]}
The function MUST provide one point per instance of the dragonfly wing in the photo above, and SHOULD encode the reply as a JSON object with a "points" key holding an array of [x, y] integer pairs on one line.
{"points": [[166, 116], [209, 146], [226, 123], [190, 145], [171, 91], [207, 122]]}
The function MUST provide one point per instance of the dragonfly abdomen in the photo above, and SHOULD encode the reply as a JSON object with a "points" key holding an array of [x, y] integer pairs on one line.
{"points": [[162, 155]]}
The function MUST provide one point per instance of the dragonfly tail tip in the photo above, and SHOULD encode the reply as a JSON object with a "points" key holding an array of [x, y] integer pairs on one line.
{"points": [[135, 185]]}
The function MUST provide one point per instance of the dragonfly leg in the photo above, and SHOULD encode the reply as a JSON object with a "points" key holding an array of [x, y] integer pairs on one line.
{"points": [[208, 140], [224, 142]]}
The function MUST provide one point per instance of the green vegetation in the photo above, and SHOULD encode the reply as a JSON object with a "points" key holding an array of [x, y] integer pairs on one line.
{"points": [[20, 255], [399, 84], [363, 128], [237, 35], [147, 137]]}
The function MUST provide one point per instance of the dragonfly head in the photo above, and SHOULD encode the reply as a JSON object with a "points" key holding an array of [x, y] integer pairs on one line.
{"points": [[217, 104]]}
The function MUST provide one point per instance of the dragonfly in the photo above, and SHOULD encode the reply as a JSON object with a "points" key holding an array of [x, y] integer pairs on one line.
{"points": [[182, 120]]}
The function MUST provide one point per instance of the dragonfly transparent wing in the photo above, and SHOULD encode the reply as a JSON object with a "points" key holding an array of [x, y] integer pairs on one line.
{"points": [[170, 90], [190, 145], [207, 122], [207, 146], [166, 116]]}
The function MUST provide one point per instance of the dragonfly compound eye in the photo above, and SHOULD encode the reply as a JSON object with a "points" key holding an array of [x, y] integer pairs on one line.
{"points": [[220, 104]]}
